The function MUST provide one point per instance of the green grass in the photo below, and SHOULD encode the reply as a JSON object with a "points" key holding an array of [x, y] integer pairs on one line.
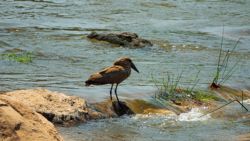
{"points": [[170, 89], [203, 96], [185, 94], [21, 57], [166, 88], [224, 70]]}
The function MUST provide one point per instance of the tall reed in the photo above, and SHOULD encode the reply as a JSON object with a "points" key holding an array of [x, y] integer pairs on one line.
{"points": [[223, 70]]}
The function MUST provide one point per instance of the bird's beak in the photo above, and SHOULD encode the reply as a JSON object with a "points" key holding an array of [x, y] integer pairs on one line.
{"points": [[133, 67]]}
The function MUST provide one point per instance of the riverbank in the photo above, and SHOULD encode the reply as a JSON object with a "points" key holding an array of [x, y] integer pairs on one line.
{"points": [[34, 104]]}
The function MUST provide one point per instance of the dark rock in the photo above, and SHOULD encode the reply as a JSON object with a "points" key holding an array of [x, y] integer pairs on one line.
{"points": [[107, 109], [214, 86], [126, 39], [121, 108]]}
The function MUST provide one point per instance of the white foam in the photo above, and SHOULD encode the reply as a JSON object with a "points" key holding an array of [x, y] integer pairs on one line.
{"points": [[194, 115], [155, 115], [246, 101]]}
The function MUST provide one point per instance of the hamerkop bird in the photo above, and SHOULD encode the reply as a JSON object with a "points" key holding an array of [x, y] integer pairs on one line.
{"points": [[115, 74]]}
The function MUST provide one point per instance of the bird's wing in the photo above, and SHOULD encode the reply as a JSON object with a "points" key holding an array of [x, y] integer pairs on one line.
{"points": [[110, 75], [111, 70]]}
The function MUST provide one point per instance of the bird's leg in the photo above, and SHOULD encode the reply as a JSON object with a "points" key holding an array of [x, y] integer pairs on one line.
{"points": [[116, 94], [111, 92]]}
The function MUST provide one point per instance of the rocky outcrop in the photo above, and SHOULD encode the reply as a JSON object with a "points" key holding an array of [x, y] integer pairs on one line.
{"points": [[56, 107], [67, 110], [23, 113], [125, 39], [18, 122]]}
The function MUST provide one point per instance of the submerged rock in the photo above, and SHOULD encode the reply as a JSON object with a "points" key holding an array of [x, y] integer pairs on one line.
{"points": [[126, 39], [56, 107], [144, 107], [18, 122]]}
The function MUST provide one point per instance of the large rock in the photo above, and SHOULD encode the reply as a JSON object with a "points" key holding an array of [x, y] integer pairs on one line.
{"points": [[56, 107], [18, 122], [126, 39], [67, 110]]}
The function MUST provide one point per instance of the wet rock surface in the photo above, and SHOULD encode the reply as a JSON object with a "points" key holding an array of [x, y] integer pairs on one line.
{"points": [[18, 122], [121, 108], [107, 109], [144, 107], [228, 93], [125, 39], [244, 137]]}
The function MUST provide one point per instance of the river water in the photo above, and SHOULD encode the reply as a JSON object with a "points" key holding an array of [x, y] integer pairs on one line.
{"points": [[186, 36]]}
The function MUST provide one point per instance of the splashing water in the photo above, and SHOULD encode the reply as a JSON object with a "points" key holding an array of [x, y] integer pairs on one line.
{"points": [[193, 115], [148, 127], [246, 101]]}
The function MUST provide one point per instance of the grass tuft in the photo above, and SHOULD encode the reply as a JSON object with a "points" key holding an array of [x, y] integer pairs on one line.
{"points": [[204, 96], [23, 57], [170, 90], [168, 87], [224, 71]]}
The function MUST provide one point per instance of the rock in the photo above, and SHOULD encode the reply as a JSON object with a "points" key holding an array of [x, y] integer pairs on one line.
{"points": [[108, 109], [121, 108], [227, 93], [126, 39], [68, 110], [56, 107], [144, 107], [18, 122], [101, 110], [244, 137]]}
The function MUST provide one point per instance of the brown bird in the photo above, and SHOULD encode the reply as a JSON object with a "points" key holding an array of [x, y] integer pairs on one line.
{"points": [[115, 74]]}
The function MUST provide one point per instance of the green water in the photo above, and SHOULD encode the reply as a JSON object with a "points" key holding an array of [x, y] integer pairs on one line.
{"points": [[186, 37]]}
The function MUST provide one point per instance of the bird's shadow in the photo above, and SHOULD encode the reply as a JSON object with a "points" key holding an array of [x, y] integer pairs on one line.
{"points": [[121, 108]]}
